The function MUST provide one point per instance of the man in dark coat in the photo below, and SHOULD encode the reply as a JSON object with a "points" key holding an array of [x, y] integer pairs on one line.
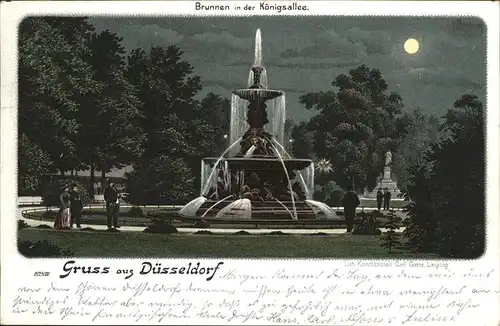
{"points": [[76, 207], [112, 205], [387, 199], [380, 198], [350, 202]]}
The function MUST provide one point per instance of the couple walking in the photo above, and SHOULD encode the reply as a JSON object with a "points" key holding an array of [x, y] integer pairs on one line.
{"points": [[383, 197], [70, 209]]}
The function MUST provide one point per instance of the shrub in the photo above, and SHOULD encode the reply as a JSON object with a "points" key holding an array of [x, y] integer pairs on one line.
{"points": [[368, 225], [161, 226], [241, 233], [203, 232], [22, 224], [42, 249], [276, 233], [45, 226], [136, 211], [52, 191], [317, 234]]}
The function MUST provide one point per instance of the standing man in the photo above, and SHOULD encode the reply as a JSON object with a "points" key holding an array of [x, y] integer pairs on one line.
{"points": [[112, 205], [99, 188], [76, 207], [350, 202], [380, 198], [387, 199]]}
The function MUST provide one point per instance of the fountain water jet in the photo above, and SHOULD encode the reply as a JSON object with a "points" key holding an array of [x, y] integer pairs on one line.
{"points": [[207, 183], [241, 208], [217, 203], [307, 188], [289, 183], [324, 208], [193, 206]]}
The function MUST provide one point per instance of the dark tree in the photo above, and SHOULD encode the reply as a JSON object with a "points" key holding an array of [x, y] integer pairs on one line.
{"points": [[111, 117], [448, 213], [355, 126], [33, 164], [178, 128], [54, 78], [164, 180], [420, 131], [390, 238], [166, 86]]}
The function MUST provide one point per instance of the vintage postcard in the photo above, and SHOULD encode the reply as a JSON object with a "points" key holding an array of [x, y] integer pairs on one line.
{"points": [[288, 163]]}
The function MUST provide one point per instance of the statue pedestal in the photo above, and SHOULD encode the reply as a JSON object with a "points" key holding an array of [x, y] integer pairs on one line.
{"points": [[386, 182], [387, 173]]}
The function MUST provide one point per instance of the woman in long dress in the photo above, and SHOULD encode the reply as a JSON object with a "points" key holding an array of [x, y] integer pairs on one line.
{"points": [[63, 218]]}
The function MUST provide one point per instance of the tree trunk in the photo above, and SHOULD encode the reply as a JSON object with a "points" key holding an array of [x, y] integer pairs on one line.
{"points": [[103, 178], [72, 173], [91, 180]]}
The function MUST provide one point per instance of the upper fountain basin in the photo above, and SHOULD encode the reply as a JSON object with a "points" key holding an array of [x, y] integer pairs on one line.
{"points": [[262, 94]]}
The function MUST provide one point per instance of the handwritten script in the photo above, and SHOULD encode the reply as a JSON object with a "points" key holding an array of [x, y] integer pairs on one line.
{"points": [[346, 294]]}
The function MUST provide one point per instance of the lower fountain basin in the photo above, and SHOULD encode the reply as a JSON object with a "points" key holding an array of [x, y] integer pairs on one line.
{"points": [[245, 209]]}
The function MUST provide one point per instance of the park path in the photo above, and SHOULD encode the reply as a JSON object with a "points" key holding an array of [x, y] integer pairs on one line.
{"points": [[36, 223]]}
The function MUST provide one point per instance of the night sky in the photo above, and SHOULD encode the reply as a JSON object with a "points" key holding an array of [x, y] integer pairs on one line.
{"points": [[304, 54]]}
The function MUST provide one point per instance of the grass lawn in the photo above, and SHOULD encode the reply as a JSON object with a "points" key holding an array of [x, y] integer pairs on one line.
{"points": [[137, 244]]}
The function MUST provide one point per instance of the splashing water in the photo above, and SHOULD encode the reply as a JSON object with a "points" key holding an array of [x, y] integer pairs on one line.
{"points": [[307, 189], [289, 182], [250, 151], [263, 77], [277, 117], [207, 183], [250, 78], [276, 199], [193, 206], [217, 203], [227, 177], [322, 207], [241, 208], [238, 119], [308, 175]]}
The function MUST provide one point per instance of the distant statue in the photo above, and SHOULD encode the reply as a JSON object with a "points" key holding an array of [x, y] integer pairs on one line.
{"points": [[388, 158]]}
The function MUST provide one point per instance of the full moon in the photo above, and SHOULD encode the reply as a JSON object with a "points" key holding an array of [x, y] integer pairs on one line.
{"points": [[411, 46]]}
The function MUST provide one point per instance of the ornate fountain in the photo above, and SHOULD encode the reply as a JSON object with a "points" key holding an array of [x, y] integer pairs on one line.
{"points": [[255, 178]]}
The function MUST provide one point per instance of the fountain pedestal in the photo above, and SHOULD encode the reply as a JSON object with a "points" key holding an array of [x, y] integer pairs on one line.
{"points": [[258, 182]]}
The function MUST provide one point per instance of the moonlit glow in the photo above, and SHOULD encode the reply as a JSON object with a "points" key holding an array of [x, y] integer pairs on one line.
{"points": [[411, 46]]}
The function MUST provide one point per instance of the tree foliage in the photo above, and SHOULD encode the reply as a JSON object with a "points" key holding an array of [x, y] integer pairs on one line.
{"points": [[177, 126], [33, 163], [421, 131], [84, 104], [54, 77], [110, 118], [355, 125], [448, 215], [163, 180]]}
